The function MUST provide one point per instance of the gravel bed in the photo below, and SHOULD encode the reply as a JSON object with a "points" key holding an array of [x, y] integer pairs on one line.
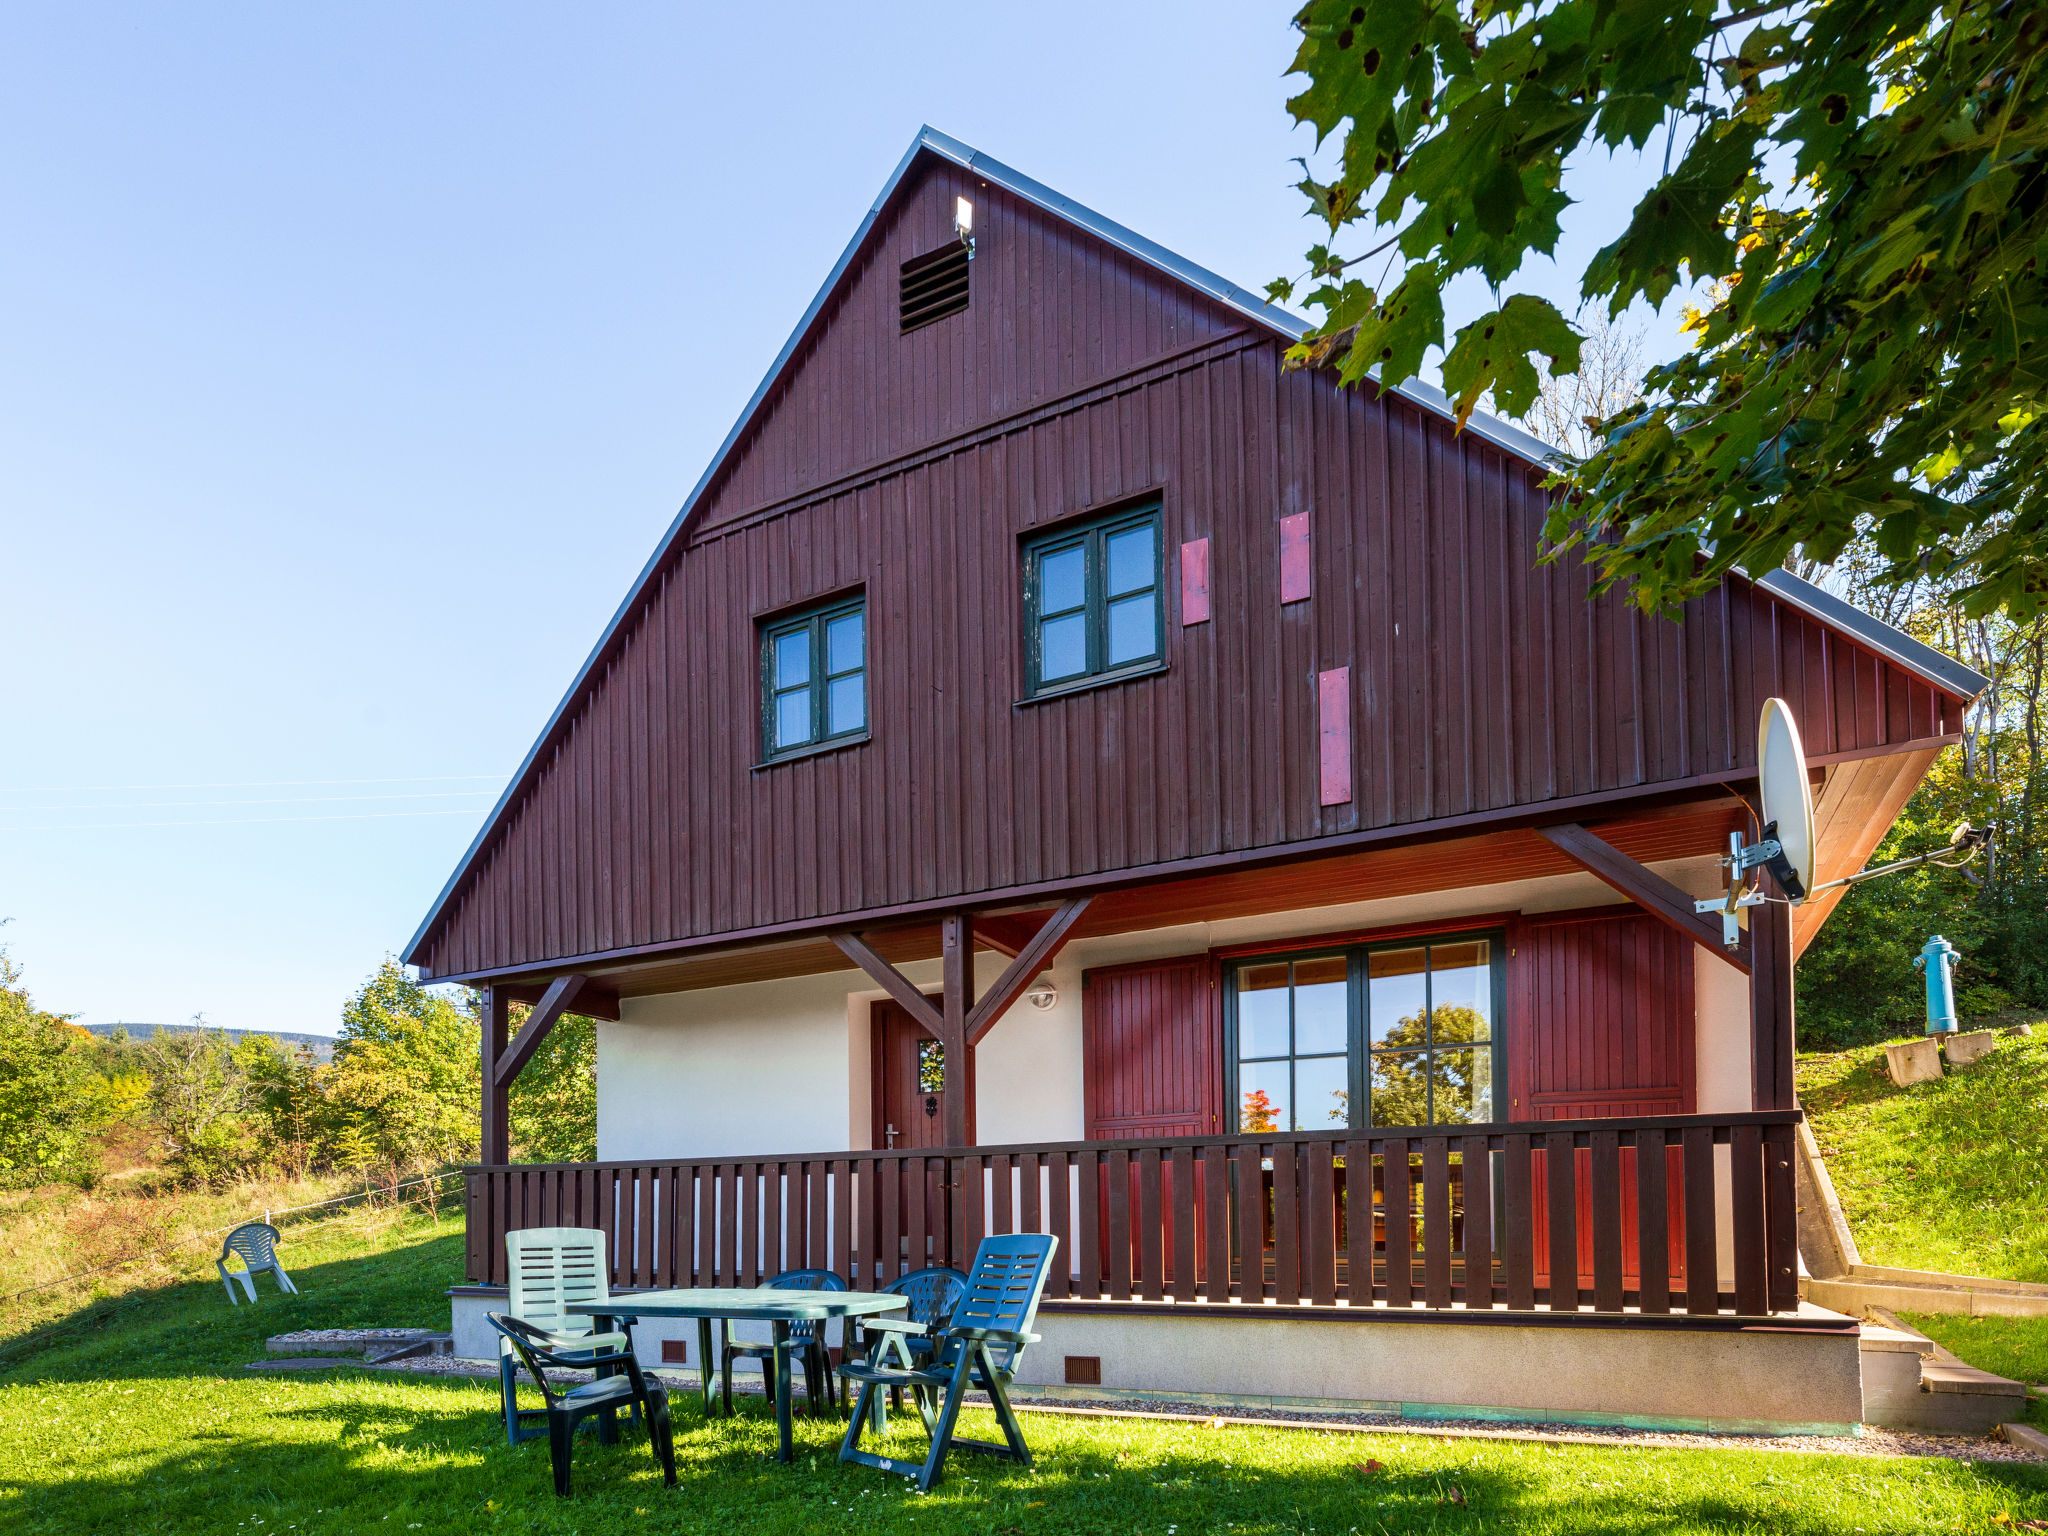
{"points": [[323, 1338], [1872, 1442]]}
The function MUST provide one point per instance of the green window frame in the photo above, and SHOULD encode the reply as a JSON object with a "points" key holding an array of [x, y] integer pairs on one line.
{"points": [[814, 667], [1400, 1031], [1095, 601]]}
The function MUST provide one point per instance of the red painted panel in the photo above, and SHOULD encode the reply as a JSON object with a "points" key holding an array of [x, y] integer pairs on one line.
{"points": [[1333, 700], [1194, 582], [1152, 1044], [1297, 560]]}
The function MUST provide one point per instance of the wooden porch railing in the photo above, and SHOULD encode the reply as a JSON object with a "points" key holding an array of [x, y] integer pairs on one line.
{"points": [[1470, 1217]]}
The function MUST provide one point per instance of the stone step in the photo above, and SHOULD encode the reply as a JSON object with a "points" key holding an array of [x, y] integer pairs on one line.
{"points": [[1954, 1376]]}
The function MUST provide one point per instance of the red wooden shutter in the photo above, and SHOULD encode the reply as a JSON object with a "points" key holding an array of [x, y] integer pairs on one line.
{"points": [[1152, 1041], [1600, 1025]]}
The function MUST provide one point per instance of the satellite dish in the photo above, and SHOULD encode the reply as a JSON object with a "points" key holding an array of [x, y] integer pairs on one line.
{"points": [[1787, 799]]}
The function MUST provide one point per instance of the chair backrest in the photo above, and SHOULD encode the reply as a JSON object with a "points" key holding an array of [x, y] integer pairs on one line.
{"points": [[806, 1280], [256, 1242], [932, 1294], [1003, 1291], [549, 1267]]}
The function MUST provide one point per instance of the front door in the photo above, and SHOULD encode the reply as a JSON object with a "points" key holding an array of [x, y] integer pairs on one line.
{"points": [[911, 1081]]}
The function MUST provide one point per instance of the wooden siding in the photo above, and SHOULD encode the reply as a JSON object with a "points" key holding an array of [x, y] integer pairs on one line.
{"points": [[1152, 1050], [908, 467], [1600, 1017]]}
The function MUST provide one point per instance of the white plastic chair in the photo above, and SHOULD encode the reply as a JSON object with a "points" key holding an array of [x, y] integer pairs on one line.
{"points": [[546, 1268], [255, 1243]]}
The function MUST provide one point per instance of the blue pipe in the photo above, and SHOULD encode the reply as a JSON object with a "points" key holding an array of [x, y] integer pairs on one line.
{"points": [[1938, 960]]}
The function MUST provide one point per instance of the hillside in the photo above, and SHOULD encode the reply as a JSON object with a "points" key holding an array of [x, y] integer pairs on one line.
{"points": [[1950, 1175], [321, 1046]]}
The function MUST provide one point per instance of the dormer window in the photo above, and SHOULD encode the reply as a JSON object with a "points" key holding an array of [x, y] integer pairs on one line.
{"points": [[814, 678]]}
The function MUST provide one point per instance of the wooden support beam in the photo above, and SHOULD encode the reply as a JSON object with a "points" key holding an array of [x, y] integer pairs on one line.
{"points": [[1034, 957], [494, 1143], [893, 982], [1007, 934], [1647, 889], [561, 997], [956, 965], [1770, 1004], [595, 1001]]}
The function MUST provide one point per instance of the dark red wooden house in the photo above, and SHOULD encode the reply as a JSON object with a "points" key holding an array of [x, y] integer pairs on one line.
{"points": [[1063, 770]]}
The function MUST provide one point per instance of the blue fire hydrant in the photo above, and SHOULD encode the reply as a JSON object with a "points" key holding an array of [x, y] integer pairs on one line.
{"points": [[1938, 960]]}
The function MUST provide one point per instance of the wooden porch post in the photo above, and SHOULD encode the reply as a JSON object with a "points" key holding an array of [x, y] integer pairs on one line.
{"points": [[1770, 1004], [956, 950], [497, 1011]]}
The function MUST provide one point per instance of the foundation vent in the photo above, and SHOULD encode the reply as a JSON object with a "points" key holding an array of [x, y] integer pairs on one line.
{"points": [[1084, 1370]]}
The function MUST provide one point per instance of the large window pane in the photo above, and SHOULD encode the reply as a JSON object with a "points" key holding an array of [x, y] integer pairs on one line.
{"points": [[846, 705], [1063, 647], [1262, 1011], [793, 658], [1131, 562], [1400, 1088], [846, 643], [793, 718], [1461, 992], [1133, 629], [1063, 580], [1322, 1006], [1463, 1086], [1263, 1100], [1322, 1093], [1396, 999]]}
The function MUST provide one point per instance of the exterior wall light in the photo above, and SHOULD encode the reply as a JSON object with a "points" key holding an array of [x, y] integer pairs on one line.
{"points": [[963, 223], [1043, 996]]}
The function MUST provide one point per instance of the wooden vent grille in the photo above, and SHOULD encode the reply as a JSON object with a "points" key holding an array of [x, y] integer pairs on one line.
{"points": [[935, 286], [1084, 1370]]}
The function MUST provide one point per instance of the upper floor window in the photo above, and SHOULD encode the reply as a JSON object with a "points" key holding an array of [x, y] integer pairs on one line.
{"points": [[814, 678], [1092, 601], [1400, 1033]]}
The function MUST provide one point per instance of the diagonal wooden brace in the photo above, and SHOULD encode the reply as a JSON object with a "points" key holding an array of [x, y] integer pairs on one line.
{"points": [[1031, 959], [560, 998], [1649, 890]]}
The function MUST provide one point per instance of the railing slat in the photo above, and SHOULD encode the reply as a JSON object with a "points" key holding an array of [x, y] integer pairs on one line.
{"points": [[1746, 1196], [1187, 1216], [1560, 1198], [1215, 1225], [1088, 1216], [1059, 1190], [1702, 1263], [1518, 1211], [1476, 1168], [1319, 1226], [917, 1193], [842, 1219], [1150, 1234], [681, 1194], [1357, 1222], [1030, 1193], [1286, 1196], [1653, 1224], [889, 1175], [1002, 1211], [1605, 1147], [1400, 1238], [1249, 1193], [1436, 1222], [1119, 1236], [1781, 1212]]}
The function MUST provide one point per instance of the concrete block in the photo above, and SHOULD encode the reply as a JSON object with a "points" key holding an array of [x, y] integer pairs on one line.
{"points": [[1891, 1387], [2026, 1437], [1965, 1049], [1914, 1061]]}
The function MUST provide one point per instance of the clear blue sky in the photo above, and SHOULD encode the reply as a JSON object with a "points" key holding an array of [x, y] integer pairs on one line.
{"points": [[355, 357]]}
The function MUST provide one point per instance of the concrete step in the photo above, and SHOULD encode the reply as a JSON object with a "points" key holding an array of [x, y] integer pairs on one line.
{"points": [[1910, 1382]]}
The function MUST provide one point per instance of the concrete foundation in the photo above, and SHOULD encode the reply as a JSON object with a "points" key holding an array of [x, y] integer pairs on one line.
{"points": [[1914, 1061]]}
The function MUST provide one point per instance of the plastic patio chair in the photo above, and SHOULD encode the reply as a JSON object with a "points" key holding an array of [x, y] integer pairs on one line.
{"points": [[806, 1342], [546, 1268], [255, 1242], [602, 1397], [932, 1294], [978, 1352]]}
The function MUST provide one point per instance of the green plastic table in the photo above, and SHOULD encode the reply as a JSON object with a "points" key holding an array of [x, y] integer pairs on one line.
{"points": [[777, 1308]]}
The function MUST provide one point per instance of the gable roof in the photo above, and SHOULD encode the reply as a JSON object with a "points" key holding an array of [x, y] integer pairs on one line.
{"points": [[1923, 660]]}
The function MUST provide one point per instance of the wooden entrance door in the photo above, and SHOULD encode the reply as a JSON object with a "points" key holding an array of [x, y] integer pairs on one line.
{"points": [[911, 1081]]}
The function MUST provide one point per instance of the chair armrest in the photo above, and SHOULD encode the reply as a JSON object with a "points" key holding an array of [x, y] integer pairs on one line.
{"points": [[993, 1335], [894, 1325]]}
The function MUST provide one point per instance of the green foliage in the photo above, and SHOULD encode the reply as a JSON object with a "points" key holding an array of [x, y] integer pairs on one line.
{"points": [[51, 1098], [553, 1102], [1950, 1175], [407, 1071], [199, 1093], [1458, 1080], [1864, 185]]}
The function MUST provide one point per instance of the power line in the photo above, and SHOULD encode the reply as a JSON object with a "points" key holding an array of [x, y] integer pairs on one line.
{"points": [[152, 805], [236, 821], [75, 789]]}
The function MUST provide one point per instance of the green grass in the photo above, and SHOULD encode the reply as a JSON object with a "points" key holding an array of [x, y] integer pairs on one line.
{"points": [[135, 1416], [1949, 1176]]}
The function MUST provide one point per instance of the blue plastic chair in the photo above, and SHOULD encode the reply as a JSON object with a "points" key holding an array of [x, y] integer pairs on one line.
{"points": [[806, 1341], [977, 1352], [255, 1242]]}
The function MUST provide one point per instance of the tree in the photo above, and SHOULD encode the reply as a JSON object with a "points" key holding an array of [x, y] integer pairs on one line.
{"points": [[1570, 406], [406, 1070], [1864, 183], [552, 1107], [198, 1094], [51, 1099]]}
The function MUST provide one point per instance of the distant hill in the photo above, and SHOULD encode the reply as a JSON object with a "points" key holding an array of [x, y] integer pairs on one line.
{"points": [[322, 1046]]}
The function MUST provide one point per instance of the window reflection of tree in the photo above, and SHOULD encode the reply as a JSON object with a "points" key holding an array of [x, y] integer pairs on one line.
{"points": [[1456, 1064]]}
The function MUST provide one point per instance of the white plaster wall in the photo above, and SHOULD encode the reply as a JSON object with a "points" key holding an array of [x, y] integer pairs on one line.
{"points": [[783, 1066]]}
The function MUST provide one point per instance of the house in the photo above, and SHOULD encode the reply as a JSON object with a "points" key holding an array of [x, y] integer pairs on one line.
{"points": [[1062, 770]]}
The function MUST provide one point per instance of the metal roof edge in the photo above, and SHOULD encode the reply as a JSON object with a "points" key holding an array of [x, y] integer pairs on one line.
{"points": [[1942, 670]]}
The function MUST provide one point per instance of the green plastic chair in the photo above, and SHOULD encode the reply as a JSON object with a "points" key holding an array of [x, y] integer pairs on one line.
{"points": [[546, 1268], [255, 1243], [600, 1399], [977, 1352]]}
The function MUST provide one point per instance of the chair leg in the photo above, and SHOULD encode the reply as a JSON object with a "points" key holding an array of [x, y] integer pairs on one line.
{"points": [[284, 1280], [1006, 1416], [561, 1437], [508, 1390], [942, 1432], [725, 1375], [850, 1441], [662, 1435]]}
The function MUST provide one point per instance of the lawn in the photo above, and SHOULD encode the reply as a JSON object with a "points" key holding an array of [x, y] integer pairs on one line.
{"points": [[2010, 1346], [1951, 1175], [136, 1416]]}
